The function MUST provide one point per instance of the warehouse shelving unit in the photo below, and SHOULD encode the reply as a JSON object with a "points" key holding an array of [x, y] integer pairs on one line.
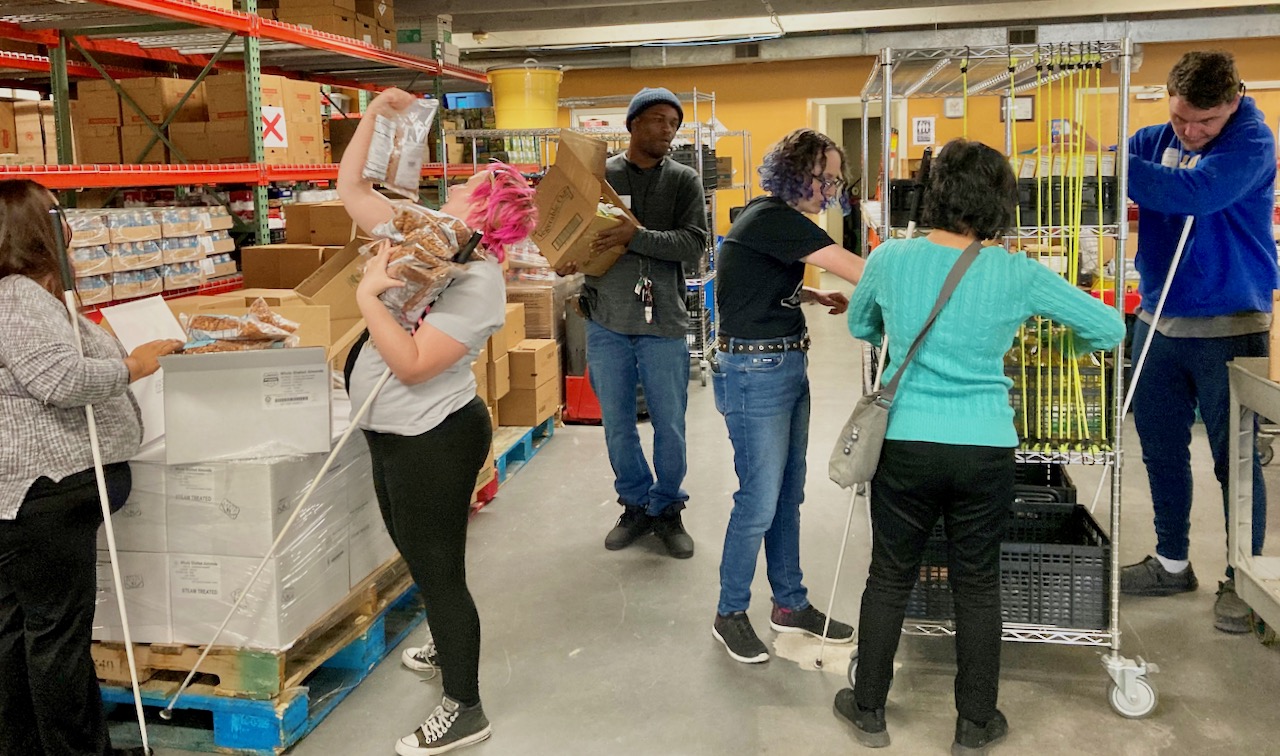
{"points": [[994, 71]]}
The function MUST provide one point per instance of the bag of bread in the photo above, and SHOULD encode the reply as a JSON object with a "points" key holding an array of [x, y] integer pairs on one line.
{"points": [[399, 147], [428, 250], [260, 328]]}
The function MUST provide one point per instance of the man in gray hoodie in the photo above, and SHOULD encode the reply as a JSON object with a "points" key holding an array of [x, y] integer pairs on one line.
{"points": [[637, 322]]}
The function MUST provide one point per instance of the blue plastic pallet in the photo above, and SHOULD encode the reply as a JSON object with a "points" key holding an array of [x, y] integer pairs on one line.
{"points": [[220, 724], [519, 453]]}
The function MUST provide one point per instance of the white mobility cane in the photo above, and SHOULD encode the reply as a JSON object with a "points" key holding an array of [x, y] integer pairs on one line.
{"points": [[73, 310], [1146, 344], [462, 256]]}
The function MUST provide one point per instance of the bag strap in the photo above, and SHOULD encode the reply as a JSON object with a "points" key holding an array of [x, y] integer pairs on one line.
{"points": [[962, 264]]}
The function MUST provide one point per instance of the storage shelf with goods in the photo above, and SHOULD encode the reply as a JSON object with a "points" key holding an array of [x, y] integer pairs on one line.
{"points": [[1067, 405]]}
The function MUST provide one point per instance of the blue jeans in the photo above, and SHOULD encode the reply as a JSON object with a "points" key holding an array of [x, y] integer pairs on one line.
{"points": [[765, 403], [617, 363], [1180, 374]]}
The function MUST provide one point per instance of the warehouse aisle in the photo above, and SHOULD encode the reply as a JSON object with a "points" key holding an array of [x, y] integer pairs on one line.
{"points": [[594, 652]]}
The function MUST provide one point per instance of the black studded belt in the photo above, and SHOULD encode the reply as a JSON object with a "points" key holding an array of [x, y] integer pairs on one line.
{"points": [[763, 346]]}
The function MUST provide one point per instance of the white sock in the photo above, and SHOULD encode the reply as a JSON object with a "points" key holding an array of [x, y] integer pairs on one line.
{"points": [[1173, 566]]}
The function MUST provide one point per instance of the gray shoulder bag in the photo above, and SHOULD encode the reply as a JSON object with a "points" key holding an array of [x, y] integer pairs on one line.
{"points": [[857, 451]]}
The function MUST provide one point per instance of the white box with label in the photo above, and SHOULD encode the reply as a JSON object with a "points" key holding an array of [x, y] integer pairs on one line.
{"points": [[139, 525], [246, 405], [371, 545], [294, 590], [145, 578]]}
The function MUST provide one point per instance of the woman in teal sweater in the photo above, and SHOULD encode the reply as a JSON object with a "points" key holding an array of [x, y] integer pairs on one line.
{"points": [[949, 449]]}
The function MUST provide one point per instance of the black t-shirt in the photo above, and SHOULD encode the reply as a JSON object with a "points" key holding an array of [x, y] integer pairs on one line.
{"points": [[760, 270]]}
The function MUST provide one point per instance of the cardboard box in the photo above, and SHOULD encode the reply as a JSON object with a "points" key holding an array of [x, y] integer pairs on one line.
{"points": [[493, 415], [544, 305], [514, 326], [498, 377], [330, 224], [567, 199], [220, 406], [371, 545], [158, 96], [294, 590], [246, 297], [366, 30], [282, 266], [28, 131], [534, 362], [381, 11], [98, 144], [8, 131], [334, 283], [344, 340], [317, 6], [49, 128], [529, 407], [386, 36], [497, 345], [145, 579], [229, 143], [724, 172], [480, 369], [314, 328], [140, 524], [192, 140], [227, 98], [133, 139], [97, 103], [297, 223], [306, 142], [341, 23]]}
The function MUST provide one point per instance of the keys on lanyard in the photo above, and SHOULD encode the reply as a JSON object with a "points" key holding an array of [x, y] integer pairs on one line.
{"points": [[644, 291]]}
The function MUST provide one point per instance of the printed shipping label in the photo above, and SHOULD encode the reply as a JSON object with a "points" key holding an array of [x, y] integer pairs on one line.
{"points": [[195, 483], [287, 389], [198, 578]]}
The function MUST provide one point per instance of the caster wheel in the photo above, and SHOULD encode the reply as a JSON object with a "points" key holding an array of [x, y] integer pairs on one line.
{"points": [[1142, 704], [1266, 454], [853, 669], [1265, 633]]}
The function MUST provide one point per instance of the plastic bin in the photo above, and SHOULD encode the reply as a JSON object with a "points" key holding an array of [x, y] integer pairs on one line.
{"points": [[525, 96]]}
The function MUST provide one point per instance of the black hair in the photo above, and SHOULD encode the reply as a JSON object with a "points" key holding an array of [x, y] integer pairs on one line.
{"points": [[972, 190], [1205, 79]]}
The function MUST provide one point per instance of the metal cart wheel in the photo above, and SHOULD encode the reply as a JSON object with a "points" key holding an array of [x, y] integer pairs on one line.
{"points": [[853, 669], [1265, 633], [1266, 452], [1142, 702]]}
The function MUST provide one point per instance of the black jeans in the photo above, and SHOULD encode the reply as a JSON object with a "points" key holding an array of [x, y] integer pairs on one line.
{"points": [[49, 698], [971, 488], [424, 485]]}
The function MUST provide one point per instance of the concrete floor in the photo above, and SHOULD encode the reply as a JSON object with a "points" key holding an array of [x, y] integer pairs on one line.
{"points": [[588, 651]]}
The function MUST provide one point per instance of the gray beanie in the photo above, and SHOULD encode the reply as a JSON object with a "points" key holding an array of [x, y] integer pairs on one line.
{"points": [[647, 98]]}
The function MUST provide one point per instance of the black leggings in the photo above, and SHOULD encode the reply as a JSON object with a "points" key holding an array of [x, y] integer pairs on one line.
{"points": [[424, 485], [49, 699]]}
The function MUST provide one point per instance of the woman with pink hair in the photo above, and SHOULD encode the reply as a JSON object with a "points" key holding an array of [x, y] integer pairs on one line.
{"points": [[428, 432]]}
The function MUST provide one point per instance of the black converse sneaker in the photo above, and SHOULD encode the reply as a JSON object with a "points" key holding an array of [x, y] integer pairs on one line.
{"points": [[739, 638], [450, 726], [424, 659]]}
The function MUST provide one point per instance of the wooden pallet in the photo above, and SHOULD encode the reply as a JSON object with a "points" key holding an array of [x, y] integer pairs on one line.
{"points": [[515, 446], [256, 674], [205, 721]]}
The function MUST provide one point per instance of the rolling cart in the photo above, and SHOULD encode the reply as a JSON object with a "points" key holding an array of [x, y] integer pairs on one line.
{"points": [[1068, 593]]}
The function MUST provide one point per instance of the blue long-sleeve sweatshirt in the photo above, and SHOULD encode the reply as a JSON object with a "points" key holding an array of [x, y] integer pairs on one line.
{"points": [[1229, 264]]}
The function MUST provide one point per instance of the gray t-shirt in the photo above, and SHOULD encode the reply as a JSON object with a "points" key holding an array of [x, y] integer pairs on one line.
{"points": [[469, 311]]}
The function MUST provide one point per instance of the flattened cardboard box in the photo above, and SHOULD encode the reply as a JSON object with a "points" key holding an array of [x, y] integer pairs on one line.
{"points": [[567, 199]]}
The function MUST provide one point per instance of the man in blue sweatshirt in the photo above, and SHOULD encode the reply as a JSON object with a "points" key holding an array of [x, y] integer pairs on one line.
{"points": [[1215, 161]]}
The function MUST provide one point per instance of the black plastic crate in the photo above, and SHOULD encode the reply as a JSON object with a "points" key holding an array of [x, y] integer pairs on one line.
{"points": [[1044, 483], [1054, 570]]}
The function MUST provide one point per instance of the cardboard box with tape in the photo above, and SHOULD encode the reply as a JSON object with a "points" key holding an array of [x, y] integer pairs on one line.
{"points": [[568, 201]]}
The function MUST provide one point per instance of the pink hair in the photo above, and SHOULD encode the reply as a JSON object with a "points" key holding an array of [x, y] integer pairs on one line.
{"points": [[503, 209]]}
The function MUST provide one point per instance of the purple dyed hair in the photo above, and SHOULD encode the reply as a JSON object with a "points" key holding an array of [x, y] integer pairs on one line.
{"points": [[788, 169], [503, 209]]}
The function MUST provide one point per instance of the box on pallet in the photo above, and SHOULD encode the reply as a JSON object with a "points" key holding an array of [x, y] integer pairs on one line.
{"points": [[145, 579], [371, 545], [544, 305], [498, 376], [217, 405], [140, 524], [534, 362], [529, 407]]}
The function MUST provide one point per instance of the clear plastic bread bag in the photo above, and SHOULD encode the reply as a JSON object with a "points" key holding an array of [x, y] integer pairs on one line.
{"points": [[399, 147]]}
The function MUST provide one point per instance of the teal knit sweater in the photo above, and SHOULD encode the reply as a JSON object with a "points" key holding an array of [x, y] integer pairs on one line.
{"points": [[955, 390]]}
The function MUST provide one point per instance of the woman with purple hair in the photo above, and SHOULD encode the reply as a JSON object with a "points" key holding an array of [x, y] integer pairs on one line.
{"points": [[428, 432], [759, 373]]}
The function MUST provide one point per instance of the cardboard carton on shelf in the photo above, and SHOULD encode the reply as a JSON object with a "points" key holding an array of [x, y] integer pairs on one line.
{"points": [[568, 199], [333, 21], [8, 131], [381, 11], [227, 99], [134, 138], [282, 266], [217, 405], [192, 140], [158, 96], [98, 145], [97, 103], [29, 130]]}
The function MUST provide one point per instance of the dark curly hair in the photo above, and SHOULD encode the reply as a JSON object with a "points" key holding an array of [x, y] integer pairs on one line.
{"points": [[1205, 79], [972, 190], [788, 169]]}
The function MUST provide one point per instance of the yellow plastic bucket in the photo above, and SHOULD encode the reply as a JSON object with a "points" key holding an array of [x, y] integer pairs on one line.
{"points": [[525, 96]]}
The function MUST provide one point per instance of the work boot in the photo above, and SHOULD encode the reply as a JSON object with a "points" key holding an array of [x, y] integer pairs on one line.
{"points": [[633, 523], [1230, 613], [669, 527], [973, 739], [868, 724], [1150, 578]]}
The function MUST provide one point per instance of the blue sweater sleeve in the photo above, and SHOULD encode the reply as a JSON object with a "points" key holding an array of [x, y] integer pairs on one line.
{"points": [[1222, 176], [1096, 325], [866, 320]]}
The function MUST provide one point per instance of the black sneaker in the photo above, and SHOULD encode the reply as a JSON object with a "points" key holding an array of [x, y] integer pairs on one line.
{"points": [[669, 527], [868, 724], [808, 620], [1150, 578], [450, 726], [739, 639], [1230, 612], [633, 523], [972, 739], [424, 659]]}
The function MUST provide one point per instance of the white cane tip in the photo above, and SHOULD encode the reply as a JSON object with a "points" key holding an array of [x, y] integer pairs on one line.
{"points": [[166, 714]]}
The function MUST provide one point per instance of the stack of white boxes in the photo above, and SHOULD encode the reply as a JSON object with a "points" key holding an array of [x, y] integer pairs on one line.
{"points": [[192, 535]]}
